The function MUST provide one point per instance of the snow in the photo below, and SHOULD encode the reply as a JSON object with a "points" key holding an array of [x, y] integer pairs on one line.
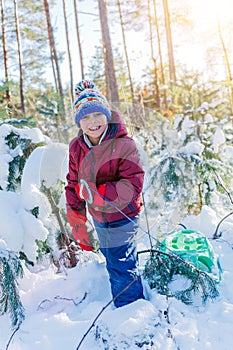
{"points": [[60, 307], [218, 139], [228, 153], [208, 118], [187, 127], [193, 147]]}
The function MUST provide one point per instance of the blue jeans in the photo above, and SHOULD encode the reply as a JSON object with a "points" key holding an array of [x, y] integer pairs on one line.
{"points": [[118, 245]]}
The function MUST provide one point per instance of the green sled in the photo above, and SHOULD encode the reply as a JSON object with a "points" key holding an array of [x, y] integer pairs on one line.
{"points": [[194, 247]]}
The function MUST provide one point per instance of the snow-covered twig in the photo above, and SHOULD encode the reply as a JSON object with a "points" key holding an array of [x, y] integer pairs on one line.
{"points": [[169, 332], [65, 238], [147, 221], [62, 298]]}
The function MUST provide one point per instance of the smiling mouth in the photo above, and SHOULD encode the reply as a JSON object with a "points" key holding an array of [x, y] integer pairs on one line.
{"points": [[95, 128]]}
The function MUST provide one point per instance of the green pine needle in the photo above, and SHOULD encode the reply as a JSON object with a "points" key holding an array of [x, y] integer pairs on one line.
{"points": [[161, 269], [10, 270]]}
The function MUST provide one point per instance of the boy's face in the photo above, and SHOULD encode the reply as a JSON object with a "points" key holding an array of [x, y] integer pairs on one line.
{"points": [[93, 125]]}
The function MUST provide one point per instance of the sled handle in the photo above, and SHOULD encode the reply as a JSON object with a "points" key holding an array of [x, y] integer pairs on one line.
{"points": [[83, 184]]}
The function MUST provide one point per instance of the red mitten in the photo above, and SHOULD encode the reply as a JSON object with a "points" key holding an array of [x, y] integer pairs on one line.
{"points": [[85, 247], [97, 194], [79, 229], [74, 218], [81, 235]]}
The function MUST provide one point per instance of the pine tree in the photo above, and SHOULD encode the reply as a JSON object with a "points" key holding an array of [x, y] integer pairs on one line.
{"points": [[34, 42], [10, 270], [110, 75]]}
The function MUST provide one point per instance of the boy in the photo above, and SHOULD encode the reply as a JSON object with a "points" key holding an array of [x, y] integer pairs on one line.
{"points": [[107, 159]]}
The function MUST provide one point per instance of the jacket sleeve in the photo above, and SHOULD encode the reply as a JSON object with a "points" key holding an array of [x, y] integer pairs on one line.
{"points": [[72, 201], [129, 186]]}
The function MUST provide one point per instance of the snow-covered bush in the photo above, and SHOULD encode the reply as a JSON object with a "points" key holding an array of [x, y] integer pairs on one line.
{"points": [[186, 167], [15, 147], [28, 161]]}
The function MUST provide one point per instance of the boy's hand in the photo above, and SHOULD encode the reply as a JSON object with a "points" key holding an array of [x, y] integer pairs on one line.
{"points": [[74, 218], [79, 229], [98, 194], [81, 235]]}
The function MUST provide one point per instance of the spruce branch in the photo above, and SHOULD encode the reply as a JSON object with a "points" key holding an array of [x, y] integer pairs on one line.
{"points": [[10, 270], [161, 268]]}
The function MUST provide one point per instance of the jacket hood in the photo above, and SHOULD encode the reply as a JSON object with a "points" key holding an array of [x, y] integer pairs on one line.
{"points": [[117, 127]]}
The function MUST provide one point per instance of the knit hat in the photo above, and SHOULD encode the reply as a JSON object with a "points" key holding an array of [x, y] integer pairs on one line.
{"points": [[89, 100]]}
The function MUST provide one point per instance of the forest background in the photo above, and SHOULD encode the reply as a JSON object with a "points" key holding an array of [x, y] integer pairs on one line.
{"points": [[166, 56]]}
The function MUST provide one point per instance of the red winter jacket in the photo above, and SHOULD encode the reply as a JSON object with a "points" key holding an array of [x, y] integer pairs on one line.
{"points": [[114, 162]]}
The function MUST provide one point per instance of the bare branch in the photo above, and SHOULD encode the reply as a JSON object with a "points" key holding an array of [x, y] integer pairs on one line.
{"points": [[224, 187], [216, 235], [11, 337], [62, 298]]}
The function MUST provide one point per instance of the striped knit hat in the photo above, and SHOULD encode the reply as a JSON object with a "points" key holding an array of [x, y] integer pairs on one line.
{"points": [[89, 100]]}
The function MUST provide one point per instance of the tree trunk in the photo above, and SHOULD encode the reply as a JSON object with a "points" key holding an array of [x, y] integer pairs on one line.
{"points": [[54, 57], [111, 83], [154, 60], [172, 73], [228, 66], [69, 52], [79, 40], [125, 49], [8, 98], [160, 56], [19, 56]]}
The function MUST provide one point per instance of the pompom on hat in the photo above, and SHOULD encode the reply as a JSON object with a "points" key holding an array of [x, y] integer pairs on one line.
{"points": [[89, 100]]}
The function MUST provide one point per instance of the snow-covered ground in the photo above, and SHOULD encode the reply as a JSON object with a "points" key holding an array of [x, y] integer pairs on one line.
{"points": [[60, 307]]}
